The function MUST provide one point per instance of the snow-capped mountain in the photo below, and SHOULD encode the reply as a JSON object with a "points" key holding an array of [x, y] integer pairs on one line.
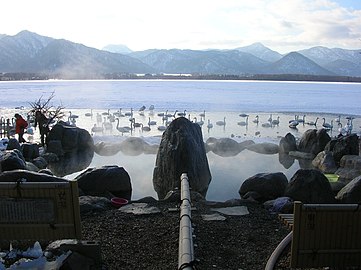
{"points": [[261, 51]]}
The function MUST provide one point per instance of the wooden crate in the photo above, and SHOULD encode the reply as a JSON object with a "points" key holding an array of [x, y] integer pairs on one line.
{"points": [[39, 211], [326, 235]]}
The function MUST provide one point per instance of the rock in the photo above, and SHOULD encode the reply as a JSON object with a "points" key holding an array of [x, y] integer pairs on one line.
{"points": [[13, 176], [351, 193], [55, 147], [181, 151], [264, 148], [280, 205], [245, 144], [286, 160], [106, 181], [12, 160], [343, 145], [314, 141], [107, 149], [350, 167], [93, 203], [40, 162], [264, 186], [31, 167], [287, 144], [324, 161], [13, 144], [301, 155], [226, 147], [73, 139], [133, 146], [310, 186], [30, 151]]}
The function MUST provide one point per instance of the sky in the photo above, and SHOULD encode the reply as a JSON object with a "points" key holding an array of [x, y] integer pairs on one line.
{"points": [[281, 25]]}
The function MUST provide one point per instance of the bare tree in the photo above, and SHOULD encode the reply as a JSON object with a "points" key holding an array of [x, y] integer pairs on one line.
{"points": [[44, 114]]}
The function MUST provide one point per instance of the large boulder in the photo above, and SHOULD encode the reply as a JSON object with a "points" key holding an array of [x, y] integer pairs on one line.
{"points": [[264, 186], [351, 193], [72, 139], [343, 145], [181, 150], [106, 181], [314, 141], [264, 148], [12, 160], [225, 147], [310, 186]]}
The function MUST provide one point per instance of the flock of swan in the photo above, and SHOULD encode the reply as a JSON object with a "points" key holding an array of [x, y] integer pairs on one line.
{"points": [[147, 119]]}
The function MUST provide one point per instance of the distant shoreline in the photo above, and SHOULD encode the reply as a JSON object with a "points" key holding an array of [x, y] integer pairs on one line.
{"points": [[122, 76]]}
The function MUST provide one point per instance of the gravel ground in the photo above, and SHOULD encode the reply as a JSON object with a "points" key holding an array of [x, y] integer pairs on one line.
{"points": [[151, 241]]}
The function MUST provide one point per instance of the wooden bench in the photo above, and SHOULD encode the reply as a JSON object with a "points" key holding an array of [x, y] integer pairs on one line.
{"points": [[323, 235]]}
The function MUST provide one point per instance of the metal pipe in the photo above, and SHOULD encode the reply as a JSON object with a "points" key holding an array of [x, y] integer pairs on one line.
{"points": [[186, 256]]}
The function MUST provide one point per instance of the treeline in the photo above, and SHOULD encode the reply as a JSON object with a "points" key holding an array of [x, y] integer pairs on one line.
{"points": [[123, 76]]}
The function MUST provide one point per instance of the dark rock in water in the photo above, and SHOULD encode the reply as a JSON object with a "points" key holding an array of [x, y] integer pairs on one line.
{"points": [[310, 186], [245, 144], [106, 181], [325, 162], [12, 160], [73, 139], [314, 141], [287, 144], [106, 149], [343, 145], [264, 148], [351, 193], [226, 147], [133, 146], [181, 151], [267, 186], [73, 146], [286, 160]]}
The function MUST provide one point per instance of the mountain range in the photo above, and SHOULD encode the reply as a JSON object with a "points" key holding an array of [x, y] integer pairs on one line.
{"points": [[28, 52]]}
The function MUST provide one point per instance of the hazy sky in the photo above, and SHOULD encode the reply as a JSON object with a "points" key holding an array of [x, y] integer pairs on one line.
{"points": [[282, 25]]}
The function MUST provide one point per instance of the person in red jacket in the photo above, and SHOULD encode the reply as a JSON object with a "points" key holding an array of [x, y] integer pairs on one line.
{"points": [[20, 125]]}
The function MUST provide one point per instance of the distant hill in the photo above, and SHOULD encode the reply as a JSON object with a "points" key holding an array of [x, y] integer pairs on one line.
{"points": [[117, 49], [296, 63], [59, 58], [29, 52], [261, 51]]}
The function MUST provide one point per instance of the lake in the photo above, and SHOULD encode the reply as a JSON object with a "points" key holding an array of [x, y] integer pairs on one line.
{"points": [[218, 100]]}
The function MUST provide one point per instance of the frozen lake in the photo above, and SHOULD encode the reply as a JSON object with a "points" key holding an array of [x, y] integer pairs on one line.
{"points": [[216, 99]]}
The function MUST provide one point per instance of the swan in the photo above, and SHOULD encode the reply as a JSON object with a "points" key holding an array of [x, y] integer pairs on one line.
{"points": [[145, 128], [151, 123], [266, 125], [108, 126], [106, 113], [129, 113], [203, 114], [96, 129], [301, 120], [221, 123], [198, 122], [270, 118], [99, 118], [119, 113], [256, 119], [243, 115], [311, 123], [243, 123], [151, 107], [136, 124], [72, 116], [122, 129], [293, 124], [184, 113], [342, 130], [89, 113], [162, 128], [327, 125], [209, 125], [276, 122]]}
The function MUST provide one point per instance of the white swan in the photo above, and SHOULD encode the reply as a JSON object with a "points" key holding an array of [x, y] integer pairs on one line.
{"points": [[312, 123], [327, 125], [209, 125], [256, 119], [221, 123], [293, 124], [151, 123], [145, 128], [243, 123], [276, 122], [96, 129]]}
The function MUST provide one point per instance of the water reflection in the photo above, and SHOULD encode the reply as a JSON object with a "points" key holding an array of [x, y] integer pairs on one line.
{"points": [[228, 173]]}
